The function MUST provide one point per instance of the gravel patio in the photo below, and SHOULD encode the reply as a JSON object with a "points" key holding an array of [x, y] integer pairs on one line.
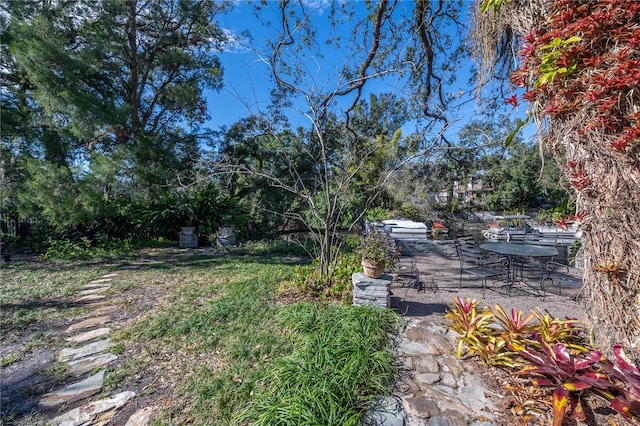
{"points": [[439, 281]]}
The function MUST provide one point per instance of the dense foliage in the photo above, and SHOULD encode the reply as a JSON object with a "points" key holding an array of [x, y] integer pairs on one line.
{"points": [[101, 106], [103, 112]]}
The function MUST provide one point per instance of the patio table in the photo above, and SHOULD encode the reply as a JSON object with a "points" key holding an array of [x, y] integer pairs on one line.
{"points": [[515, 253]]}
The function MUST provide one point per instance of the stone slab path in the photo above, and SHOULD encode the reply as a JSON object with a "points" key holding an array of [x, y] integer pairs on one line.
{"points": [[436, 388], [94, 290], [90, 298], [79, 367], [88, 358], [89, 323], [90, 413], [74, 392], [89, 335]]}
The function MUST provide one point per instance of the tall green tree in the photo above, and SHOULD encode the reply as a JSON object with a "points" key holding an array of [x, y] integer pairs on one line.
{"points": [[256, 156], [519, 179], [120, 78]]}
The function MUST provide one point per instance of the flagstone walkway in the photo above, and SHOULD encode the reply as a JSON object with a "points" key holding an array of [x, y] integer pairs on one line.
{"points": [[87, 359]]}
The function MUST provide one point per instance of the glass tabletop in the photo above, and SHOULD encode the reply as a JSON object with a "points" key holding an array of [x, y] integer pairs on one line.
{"points": [[519, 249]]}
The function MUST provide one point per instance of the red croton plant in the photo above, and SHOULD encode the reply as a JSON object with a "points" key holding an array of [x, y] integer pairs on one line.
{"points": [[580, 71]]}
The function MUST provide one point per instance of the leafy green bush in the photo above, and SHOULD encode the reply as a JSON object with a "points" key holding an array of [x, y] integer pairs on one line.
{"points": [[413, 212], [65, 249], [544, 216], [7, 242], [204, 209], [306, 281], [84, 248], [120, 218], [340, 286], [350, 243], [378, 213]]}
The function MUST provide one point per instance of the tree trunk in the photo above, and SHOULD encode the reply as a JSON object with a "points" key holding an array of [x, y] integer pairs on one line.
{"points": [[611, 241], [578, 63]]}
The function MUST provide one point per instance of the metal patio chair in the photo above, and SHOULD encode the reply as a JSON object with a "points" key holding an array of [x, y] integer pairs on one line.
{"points": [[472, 261]]}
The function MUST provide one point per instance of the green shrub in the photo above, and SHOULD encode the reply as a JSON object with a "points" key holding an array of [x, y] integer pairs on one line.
{"points": [[203, 208], [65, 249], [350, 243], [378, 213], [544, 216], [84, 248], [340, 286], [306, 280]]}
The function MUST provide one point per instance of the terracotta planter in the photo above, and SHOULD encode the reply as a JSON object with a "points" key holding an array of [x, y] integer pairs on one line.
{"points": [[372, 270]]}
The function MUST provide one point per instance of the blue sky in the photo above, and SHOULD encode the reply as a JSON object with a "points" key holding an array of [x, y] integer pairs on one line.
{"points": [[246, 78]]}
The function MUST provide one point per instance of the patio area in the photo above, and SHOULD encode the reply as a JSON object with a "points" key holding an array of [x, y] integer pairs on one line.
{"points": [[439, 275], [434, 386]]}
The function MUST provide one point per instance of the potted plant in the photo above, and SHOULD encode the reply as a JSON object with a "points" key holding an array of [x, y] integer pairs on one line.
{"points": [[378, 252], [438, 229]]}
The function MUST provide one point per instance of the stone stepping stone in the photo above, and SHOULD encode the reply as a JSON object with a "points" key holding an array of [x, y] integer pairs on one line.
{"points": [[89, 335], [411, 348], [96, 285], [69, 354], [103, 419], [112, 275], [141, 417], [420, 406], [89, 323], [75, 392], [90, 298], [104, 310], [129, 267], [79, 367], [96, 290], [96, 305], [100, 281], [91, 413]]}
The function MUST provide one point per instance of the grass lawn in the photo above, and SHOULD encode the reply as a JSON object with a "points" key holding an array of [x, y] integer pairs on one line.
{"points": [[207, 339]]}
